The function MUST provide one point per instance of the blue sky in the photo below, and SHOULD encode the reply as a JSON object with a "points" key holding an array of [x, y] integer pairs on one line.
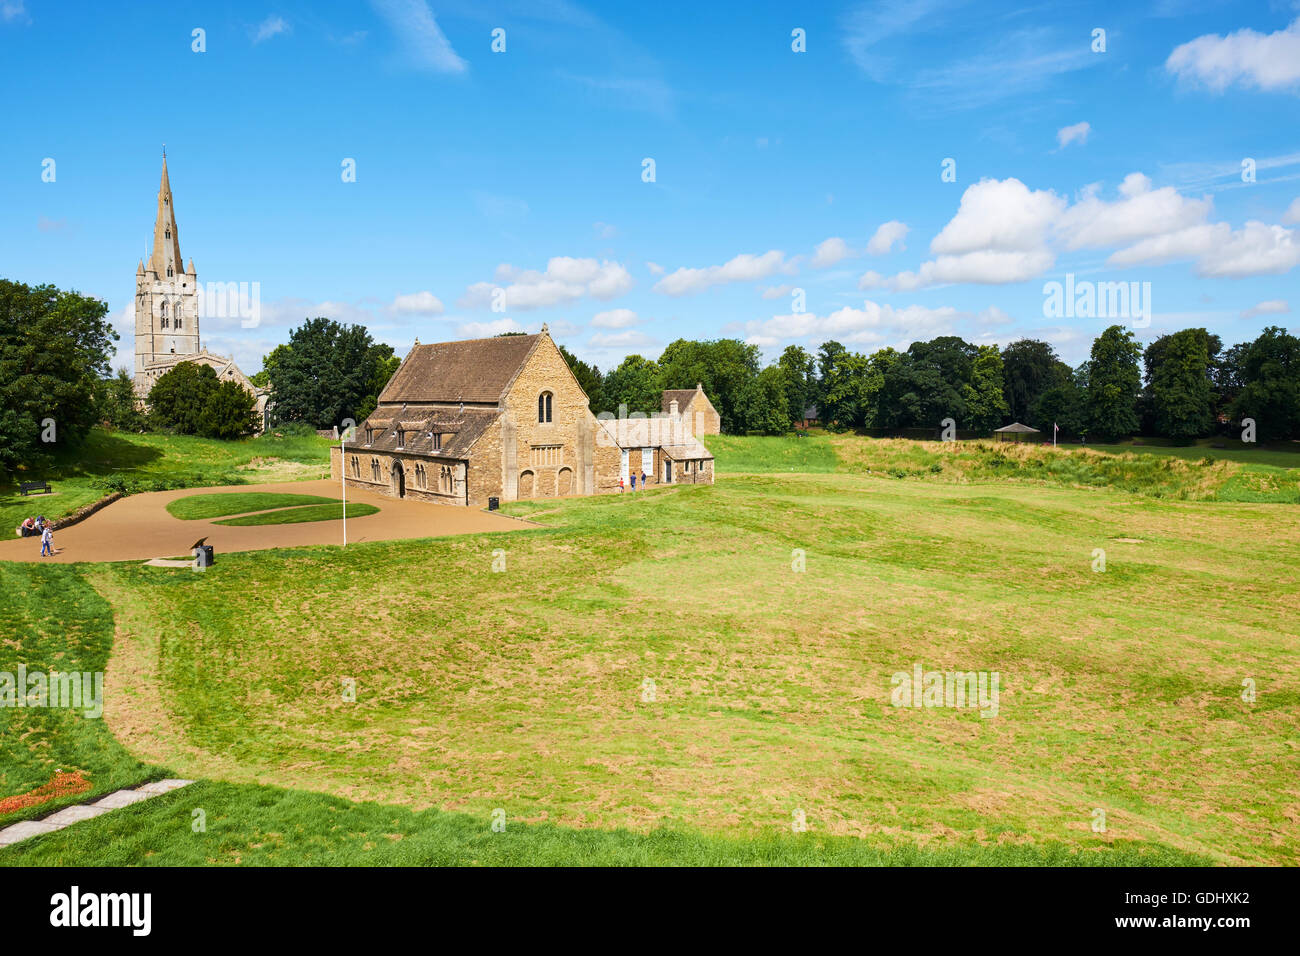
{"points": [[775, 170]]}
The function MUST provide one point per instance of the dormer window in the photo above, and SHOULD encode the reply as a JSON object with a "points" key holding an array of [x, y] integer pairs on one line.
{"points": [[544, 408], [370, 436]]}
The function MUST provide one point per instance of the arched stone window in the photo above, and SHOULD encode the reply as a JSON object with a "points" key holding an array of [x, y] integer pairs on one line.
{"points": [[544, 407], [356, 467], [164, 322]]}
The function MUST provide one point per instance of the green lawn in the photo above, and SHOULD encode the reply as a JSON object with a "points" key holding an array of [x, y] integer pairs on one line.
{"points": [[51, 619], [267, 826], [650, 679], [196, 507], [326, 512], [118, 461], [736, 455]]}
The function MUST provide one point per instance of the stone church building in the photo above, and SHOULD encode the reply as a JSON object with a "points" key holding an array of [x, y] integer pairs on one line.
{"points": [[462, 422], [167, 310]]}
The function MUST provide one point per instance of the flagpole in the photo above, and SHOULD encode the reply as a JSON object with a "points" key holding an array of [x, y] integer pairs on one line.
{"points": [[343, 480]]}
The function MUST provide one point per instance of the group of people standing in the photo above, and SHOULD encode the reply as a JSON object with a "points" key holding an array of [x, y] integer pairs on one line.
{"points": [[40, 526], [622, 487]]}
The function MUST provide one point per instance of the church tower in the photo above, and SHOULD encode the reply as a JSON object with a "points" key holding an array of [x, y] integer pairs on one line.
{"points": [[166, 299]]}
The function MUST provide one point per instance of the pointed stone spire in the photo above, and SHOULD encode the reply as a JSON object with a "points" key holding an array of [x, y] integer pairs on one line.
{"points": [[190, 270], [166, 240], [140, 271]]}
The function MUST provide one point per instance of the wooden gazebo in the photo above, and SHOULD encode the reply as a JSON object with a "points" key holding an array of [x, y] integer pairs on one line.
{"points": [[1014, 432]]}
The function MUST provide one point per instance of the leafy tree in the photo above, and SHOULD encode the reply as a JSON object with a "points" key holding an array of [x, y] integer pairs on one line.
{"points": [[927, 384], [916, 395], [1029, 368], [589, 377], [230, 412], [178, 398], [1228, 375], [1113, 383], [54, 351], [328, 372], [842, 389], [1064, 405], [386, 365], [800, 372], [764, 407], [263, 378], [116, 405], [1271, 393], [986, 404], [1178, 380], [725, 367], [878, 366], [635, 383]]}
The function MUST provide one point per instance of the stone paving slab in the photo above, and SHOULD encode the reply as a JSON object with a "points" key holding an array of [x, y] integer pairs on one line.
{"points": [[21, 831], [86, 811], [70, 815], [121, 798]]}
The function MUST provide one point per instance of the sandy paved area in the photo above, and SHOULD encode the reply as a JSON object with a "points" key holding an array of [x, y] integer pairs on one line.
{"points": [[138, 527]]}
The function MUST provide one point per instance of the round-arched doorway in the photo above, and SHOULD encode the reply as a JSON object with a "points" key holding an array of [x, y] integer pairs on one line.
{"points": [[397, 480]]}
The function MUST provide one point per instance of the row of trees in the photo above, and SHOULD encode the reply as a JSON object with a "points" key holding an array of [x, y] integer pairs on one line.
{"points": [[55, 383], [1179, 387]]}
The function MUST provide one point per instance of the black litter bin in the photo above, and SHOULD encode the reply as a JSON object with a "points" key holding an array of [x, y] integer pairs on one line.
{"points": [[203, 554], [494, 504]]}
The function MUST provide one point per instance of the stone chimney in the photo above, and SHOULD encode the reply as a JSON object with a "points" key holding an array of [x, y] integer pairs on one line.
{"points": [[672, 408]]}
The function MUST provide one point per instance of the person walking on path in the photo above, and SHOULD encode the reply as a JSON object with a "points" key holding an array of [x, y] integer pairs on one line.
{"points": [[47, 542], [620, 484], [643, 481], [633, 484]]}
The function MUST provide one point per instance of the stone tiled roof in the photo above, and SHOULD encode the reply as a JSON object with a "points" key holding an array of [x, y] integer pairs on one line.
{"points": [[475, 370], [690, 451], [683, 396], [459, 428]]}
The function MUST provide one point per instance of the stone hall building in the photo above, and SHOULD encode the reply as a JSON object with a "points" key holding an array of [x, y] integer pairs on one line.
{"points": [[462, 422], [167, 310]]}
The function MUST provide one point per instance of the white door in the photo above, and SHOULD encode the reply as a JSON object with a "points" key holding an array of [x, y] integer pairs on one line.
{"points": [[648, 462], [623, 460]]}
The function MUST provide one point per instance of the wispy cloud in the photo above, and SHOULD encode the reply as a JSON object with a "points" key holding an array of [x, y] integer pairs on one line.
{"points": [[14, 11], [647, 93], [1078, 133], [270, 27], [417, 31]]}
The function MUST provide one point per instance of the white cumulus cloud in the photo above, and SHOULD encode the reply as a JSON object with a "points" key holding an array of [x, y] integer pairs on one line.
{"points": [[742, 268], [886, 234], [417, 303], [1078, 133], [565, 279], [1264, 61]]}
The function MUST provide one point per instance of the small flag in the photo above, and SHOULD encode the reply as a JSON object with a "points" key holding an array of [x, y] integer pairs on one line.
{"points": [[1055, 428]]}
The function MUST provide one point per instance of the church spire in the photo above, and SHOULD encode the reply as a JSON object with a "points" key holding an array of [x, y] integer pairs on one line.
{"points": [[166, 240]]}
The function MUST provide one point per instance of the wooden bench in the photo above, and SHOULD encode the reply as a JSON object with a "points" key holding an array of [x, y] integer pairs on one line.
{"points": [[27, 487]]}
